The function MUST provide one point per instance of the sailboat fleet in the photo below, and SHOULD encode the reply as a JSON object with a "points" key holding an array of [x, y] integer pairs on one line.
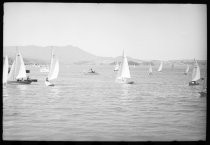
{"points": [[17, 73]]}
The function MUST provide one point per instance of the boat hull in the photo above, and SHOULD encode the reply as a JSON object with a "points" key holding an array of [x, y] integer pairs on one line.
{"points": [[47, 83], [34, 80], [203, 94], [130, 82], [91, 73], [24, 82], [193, 83]]}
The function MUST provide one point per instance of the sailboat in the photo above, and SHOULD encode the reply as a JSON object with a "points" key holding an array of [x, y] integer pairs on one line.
{"points": [[5, 70], [187, 69], [160, 67], [17, 72], [124, 72], [203, 93], [54, 69], [150, 69], [196, 74], [116, 66]]}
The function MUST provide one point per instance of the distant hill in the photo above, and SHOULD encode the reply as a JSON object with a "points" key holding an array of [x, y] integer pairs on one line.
{"points": [[66, 54], [28, 61], [73, 55]]}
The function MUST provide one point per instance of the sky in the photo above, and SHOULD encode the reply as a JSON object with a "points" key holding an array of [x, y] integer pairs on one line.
{"points": [[144, 31]]}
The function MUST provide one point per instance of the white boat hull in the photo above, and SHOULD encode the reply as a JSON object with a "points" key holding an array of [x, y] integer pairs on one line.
{"points": [[48, 83]]}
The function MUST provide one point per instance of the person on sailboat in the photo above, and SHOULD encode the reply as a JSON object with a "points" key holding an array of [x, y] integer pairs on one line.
{"points": [[92, 71], [47, 79], [28, 78]]}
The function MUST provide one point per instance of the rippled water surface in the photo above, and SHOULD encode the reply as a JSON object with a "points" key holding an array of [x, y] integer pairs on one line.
{"points": [[94, 107]]}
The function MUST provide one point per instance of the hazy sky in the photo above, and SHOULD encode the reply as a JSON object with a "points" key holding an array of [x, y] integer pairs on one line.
{"points": [[145, 31]]}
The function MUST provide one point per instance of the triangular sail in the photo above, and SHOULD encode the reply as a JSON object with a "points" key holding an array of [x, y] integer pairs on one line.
{"points": [[11, 75], [124, 71], [54, 68], [22, 68], [196, 72], [161, 66], [187, 69], [18, 70], [5, 70], [150, 69]]}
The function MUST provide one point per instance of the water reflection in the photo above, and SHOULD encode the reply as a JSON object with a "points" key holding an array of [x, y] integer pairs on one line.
{"points": [[54, 91], [21, 87], [5, 92], [123, 99]]}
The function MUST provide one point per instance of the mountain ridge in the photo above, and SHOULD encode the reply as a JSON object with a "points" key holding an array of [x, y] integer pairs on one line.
{"points": [[69, 54]]}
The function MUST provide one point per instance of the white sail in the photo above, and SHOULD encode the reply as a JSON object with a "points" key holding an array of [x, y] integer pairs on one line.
{"points": [[22, 68], [116, 67], [5, 70], [12, 72], [187, 69], [124, 71], [161, 66], [18, 70], [54, 68], [196, 72], [150, 69]]}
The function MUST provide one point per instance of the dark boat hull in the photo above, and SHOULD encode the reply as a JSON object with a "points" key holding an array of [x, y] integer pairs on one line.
{"points": [[131, 82], [34, 80], [24, 82], [202, 94], [91, 73], [193, 83]]}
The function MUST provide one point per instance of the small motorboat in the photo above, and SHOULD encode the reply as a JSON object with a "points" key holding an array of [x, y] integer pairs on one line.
{"points": [[92, 72], [203, 94], [193, 83]]}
